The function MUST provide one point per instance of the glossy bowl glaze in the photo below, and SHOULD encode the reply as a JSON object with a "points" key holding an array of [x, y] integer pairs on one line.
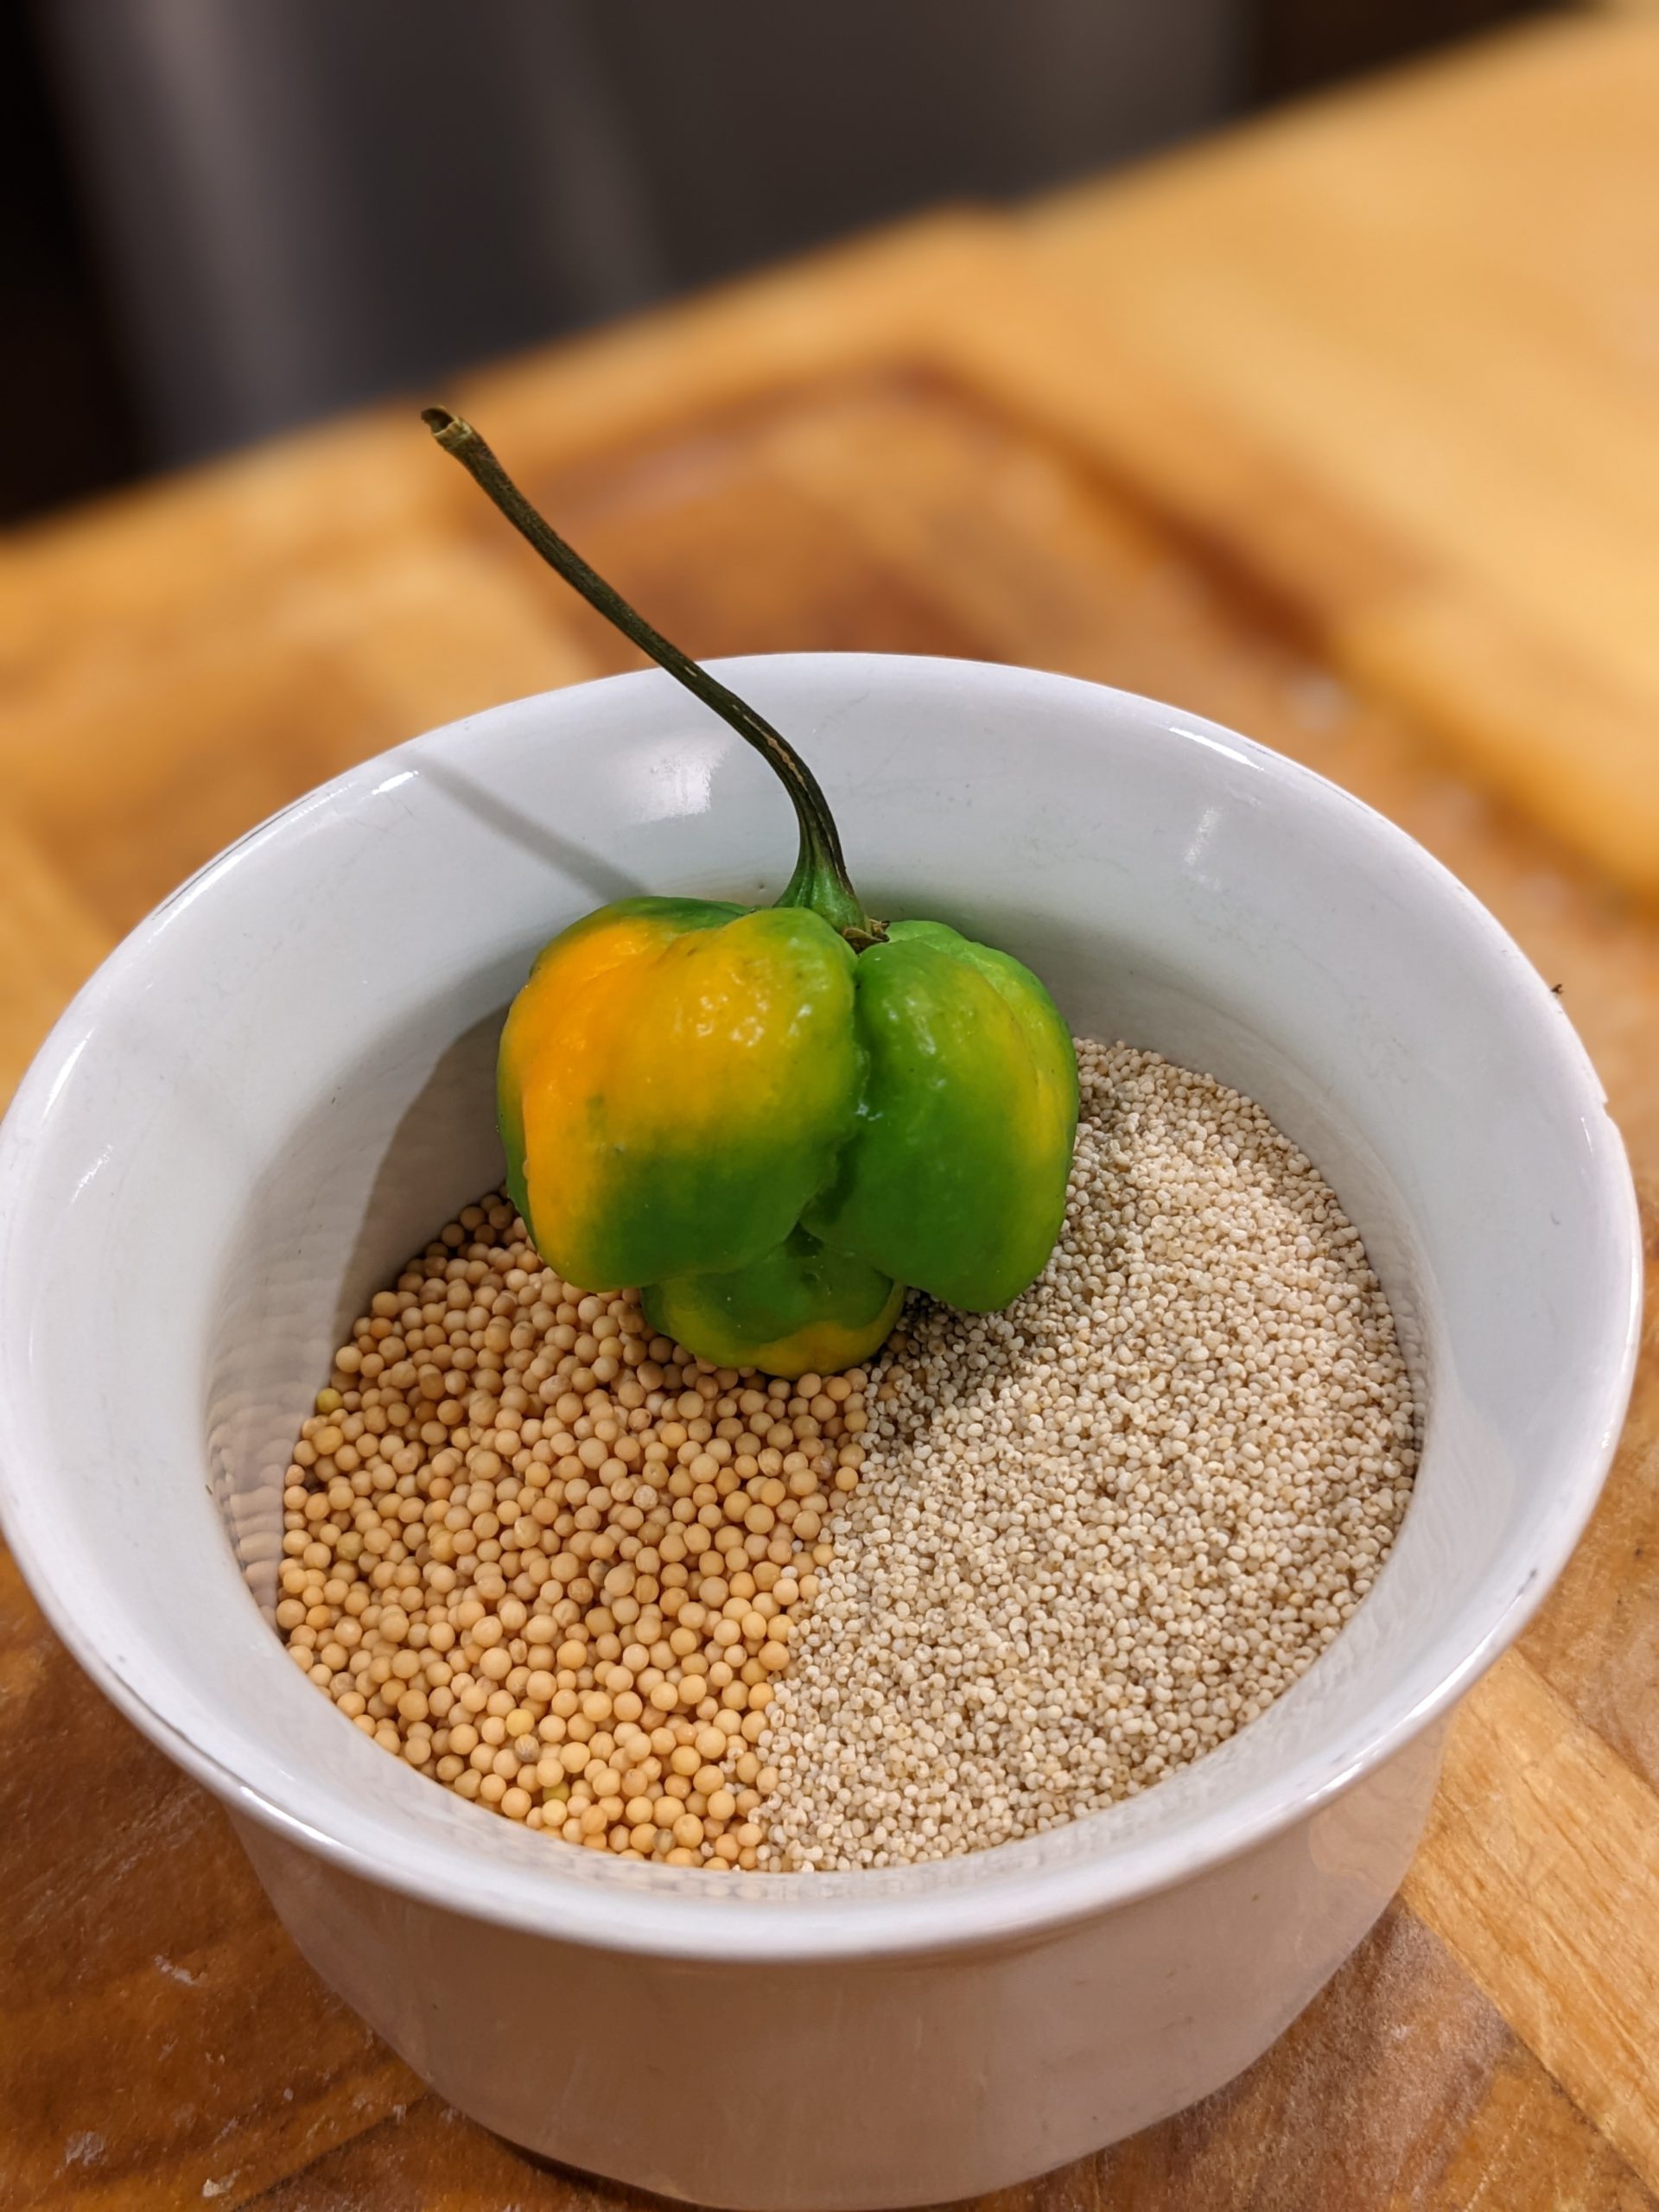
{"points": [[279, 1085]]}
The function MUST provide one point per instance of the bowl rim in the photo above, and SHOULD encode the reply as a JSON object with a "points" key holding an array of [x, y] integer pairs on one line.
{"points": [[730, 1925]]}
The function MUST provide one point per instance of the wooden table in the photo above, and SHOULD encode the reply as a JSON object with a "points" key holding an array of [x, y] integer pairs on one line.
{"points": [[1345, 430]]}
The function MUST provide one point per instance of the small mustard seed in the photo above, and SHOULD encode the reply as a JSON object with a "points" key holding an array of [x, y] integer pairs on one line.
{"points": [[546, 1556]]}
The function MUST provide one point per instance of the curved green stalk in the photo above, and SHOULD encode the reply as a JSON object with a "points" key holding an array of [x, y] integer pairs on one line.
{"points": [[820, 881]]}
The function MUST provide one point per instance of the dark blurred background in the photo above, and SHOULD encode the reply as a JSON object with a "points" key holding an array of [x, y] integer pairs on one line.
{"points": [[219, 217]]}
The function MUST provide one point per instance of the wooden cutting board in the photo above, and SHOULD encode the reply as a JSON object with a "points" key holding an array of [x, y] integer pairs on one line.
{"points": [[1345, 430]]}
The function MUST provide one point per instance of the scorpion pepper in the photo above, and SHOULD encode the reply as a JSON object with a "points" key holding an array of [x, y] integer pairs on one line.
{"points": [[773, 1121]]}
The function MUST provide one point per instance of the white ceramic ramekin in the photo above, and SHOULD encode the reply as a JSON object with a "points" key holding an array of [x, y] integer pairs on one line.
{"points": [[278, 1086]]}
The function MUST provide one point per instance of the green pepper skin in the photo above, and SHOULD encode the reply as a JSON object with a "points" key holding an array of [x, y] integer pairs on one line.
{"points": [[675, 1080], [954, 1178], [800, 1309]]}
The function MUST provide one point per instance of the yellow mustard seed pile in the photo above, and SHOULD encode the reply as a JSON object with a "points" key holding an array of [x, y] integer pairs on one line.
{"points": [[1096, 1534], [553, 1560], [598, 1587]]}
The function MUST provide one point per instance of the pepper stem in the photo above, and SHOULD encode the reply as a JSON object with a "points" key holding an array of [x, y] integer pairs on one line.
{"points": [[820, 881]]}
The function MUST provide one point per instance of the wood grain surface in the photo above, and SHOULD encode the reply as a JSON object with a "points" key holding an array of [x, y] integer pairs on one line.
{"points": [[1340, 432]]}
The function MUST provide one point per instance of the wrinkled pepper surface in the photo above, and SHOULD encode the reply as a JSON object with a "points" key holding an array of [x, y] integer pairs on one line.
{"points": [[774, 1120]]}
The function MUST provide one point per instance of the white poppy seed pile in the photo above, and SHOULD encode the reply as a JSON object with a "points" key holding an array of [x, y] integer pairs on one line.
{"points": [[1095, 1535]]}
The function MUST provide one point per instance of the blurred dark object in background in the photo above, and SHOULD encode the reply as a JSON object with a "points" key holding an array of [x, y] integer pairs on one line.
{"points": [[65, 388], [306, 204], [222, 220], [1301, 44]]}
